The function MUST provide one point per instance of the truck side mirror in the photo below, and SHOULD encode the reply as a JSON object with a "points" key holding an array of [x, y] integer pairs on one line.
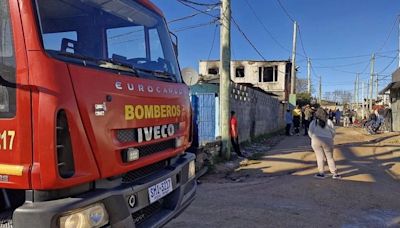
{"points": [[175, 42]]}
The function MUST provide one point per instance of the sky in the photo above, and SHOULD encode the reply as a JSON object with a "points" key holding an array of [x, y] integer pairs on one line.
{"points": [[329, 30]]}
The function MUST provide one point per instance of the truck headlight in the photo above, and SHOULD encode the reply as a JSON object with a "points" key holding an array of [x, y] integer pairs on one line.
{"points": [[179, 141], [192, 170], [92, 216]]}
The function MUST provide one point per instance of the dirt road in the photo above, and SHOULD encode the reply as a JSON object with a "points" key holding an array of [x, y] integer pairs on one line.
{"points": [[278, 189]]}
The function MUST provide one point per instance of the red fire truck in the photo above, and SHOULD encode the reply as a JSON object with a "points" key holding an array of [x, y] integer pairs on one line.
{"points": [[94, 117]]}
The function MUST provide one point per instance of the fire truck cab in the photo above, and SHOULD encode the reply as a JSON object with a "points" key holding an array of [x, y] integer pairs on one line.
{"points": [[94, 116]]}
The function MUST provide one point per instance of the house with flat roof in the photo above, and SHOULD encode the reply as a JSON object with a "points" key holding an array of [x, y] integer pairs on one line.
{"points": [[270, 76]]}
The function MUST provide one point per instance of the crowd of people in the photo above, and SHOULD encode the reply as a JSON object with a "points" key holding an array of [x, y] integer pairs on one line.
{"points": [[303, 116], [379, 119], [318, 124]]}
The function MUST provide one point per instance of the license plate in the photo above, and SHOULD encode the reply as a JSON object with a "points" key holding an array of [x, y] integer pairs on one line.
{"points": [[160, 190]]}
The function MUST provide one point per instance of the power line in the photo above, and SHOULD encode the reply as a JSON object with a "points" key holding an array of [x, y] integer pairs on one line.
{"points": [[247, 38], [344, 65], [212, 43], [265, 28], [391, 62], [354, 56], [183, 2], [284, 10], [191, 16], [195, 26], [200, 3], [301, 42], [390, 33]]}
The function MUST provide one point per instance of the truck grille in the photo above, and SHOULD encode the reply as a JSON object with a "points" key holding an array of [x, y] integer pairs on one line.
{"points": [[156, 147], [130, 135], [135, 175], [140, 216], [126, 135], [149, 149], [6, 219]]}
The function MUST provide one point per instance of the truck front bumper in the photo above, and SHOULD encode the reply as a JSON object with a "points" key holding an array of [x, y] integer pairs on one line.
{"points": [[128, 204]]}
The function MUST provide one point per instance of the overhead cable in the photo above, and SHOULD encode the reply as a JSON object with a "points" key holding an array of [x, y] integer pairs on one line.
{"points": [[247, 38], [201, 4], [190, 16], [195, 26], [285, 11], [266, 29], [194, 8]]}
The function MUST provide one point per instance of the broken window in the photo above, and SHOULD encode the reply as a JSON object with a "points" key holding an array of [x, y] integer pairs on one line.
{"points": [[268, 74], [213, 71], [240, 72]]}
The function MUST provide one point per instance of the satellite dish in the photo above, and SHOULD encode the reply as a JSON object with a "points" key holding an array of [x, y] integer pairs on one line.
{"points": [[190, 76]]}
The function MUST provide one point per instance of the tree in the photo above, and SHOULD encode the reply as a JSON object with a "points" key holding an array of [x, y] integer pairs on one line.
{"points": [[303, 98], [301, 85], [340, 96]]}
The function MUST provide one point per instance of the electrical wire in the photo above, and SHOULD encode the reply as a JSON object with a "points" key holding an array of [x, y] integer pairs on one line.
{"points": [[344, 65], [285, 11], [201, 4], [391, 62], [183, 2], [265, 27], [191, 16], [390, 33], [212, 43], [247, 38], [195, 26], [301, 42]]}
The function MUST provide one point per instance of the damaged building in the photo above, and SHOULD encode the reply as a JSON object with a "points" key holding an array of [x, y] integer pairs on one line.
{"points": [[270, 76]]}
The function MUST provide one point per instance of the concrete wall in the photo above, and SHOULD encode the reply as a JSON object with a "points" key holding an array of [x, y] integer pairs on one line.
{"points": [[395, 105], [258, 113], [395, 101], [396, 76], [251, 74]]}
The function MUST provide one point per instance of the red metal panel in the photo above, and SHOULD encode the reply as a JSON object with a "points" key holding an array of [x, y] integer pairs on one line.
{"points": [[100, 128], [21, 152], [54, 92]]}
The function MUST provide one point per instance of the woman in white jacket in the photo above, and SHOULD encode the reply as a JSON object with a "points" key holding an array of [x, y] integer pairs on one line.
{"points": [[322, 132]]}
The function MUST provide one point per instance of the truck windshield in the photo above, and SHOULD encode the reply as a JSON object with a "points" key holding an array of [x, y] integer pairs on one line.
{"points": [[120, 35]]}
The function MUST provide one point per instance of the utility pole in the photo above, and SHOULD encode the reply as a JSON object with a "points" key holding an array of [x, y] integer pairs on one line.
{"points": [[377, 87], [293, 70], [362, 99], [398, 21], [354, 93], [309, 76], [357, 90], [320, 90], [225, 76], [371, 82]]}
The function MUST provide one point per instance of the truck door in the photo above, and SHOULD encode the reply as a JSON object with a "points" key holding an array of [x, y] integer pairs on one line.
{"points": [[15, 108]]}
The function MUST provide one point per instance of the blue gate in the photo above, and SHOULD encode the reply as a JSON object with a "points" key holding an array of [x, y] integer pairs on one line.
{"points": [[204, 115]]}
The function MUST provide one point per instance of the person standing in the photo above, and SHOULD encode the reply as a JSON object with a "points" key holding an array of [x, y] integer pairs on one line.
{"points": [[338, 114], [346, 118], [296, 119], [234, 134], [308, 115], [288, 121], [322, 132], [331, 114]]}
